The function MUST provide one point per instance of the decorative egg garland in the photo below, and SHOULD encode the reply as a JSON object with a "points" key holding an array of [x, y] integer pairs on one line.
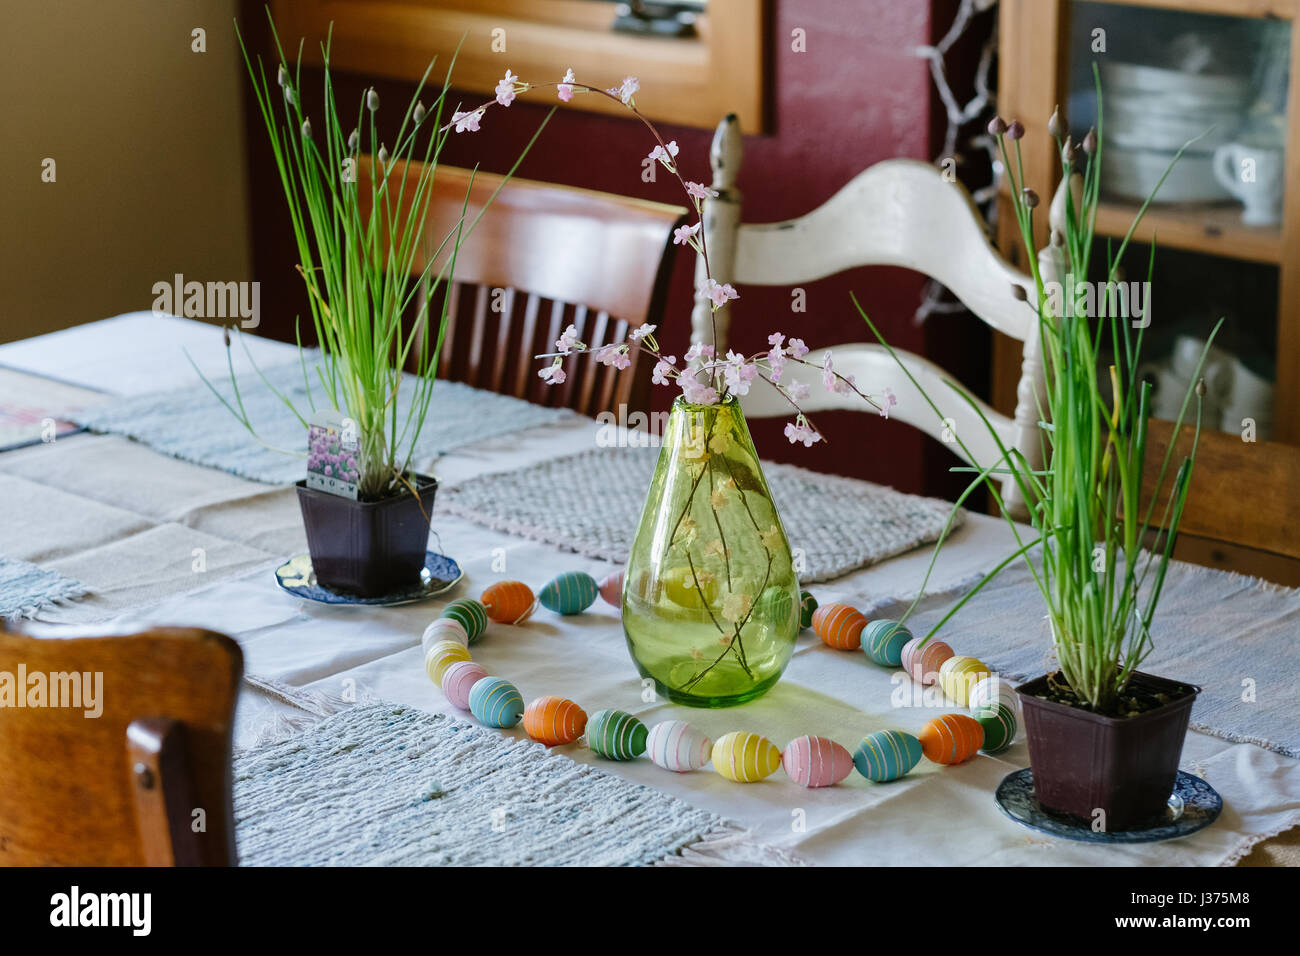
{"points": [[740, 756]]}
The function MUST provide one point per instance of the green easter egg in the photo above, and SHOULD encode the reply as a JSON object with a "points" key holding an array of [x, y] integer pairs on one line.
{"points": [[616, 735], [807, 604], [999, 723], [469, 614], [883, 642]]}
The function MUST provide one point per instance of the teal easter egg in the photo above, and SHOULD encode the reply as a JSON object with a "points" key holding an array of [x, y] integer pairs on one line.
{"points": [[886, 755], [807, 604], [883, 642], [616, 735], [999, 723], [496, 702], [469, 614], [570, 593]]}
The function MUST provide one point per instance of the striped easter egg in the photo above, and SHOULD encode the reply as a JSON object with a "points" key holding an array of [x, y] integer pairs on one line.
{"points": [[509, 602], [441, 656], [807, 604], [611, 589], [816, 761], [886, 755], [745, 757], [923, 663], [677, 746], [776, 609], [570, 593], [470, 615], [839, 625], [496, 702], [994, 690], [951, 738], [883, 642], [554, 721], [443, 629], [957, 675], [999, 723], [616, 735], [458, 680]]}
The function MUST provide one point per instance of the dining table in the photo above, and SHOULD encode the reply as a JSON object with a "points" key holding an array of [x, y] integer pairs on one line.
{"points": [[130, 523]]}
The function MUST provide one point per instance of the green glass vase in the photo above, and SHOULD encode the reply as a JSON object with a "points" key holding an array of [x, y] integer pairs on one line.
{"points": [[710, 598]]}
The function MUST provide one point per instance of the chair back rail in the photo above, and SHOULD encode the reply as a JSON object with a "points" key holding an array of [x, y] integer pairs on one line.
{"points": [[541, 256], [148, 780], [897, 213]]}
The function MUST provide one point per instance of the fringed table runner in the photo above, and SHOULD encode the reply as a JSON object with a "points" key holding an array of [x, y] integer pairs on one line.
{"points": [[383, 785], [25, 588], [1236, 637], [193, 425], [591, 503]]}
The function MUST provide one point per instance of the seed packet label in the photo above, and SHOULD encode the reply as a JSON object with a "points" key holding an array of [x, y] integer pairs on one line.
{"points": [[332, 453]]}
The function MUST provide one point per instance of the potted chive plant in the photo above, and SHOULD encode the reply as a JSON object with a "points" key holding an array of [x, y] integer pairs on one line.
{"points": [[358, 209], [1104, 737]]}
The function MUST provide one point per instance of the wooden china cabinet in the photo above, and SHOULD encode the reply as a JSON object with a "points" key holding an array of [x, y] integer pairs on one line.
{"points": [[1228, 69]]}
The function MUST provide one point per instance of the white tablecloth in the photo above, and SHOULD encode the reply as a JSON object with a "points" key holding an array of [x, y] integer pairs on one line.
{"points": [[935, 815]]}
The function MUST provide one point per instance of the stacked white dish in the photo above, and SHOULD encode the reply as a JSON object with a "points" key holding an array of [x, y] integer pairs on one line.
{"points": [[1150, 113]]}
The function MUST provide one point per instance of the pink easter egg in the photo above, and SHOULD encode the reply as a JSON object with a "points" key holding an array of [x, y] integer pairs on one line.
{"points": [[923, 662], [457, 681], [816, 761], [611, 589]]}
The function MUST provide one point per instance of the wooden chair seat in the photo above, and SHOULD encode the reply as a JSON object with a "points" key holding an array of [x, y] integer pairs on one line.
{"points": [[147, 779]]}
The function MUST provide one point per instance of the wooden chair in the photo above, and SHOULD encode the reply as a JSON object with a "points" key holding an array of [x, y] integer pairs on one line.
{"points": [[542, 257], [900, 213], [148, 781]]}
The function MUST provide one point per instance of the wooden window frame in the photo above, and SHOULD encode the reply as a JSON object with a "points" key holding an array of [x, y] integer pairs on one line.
{"points": [[692, 82]]}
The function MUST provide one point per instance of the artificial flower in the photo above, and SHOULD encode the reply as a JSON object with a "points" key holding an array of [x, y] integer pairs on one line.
{"points": [[565, 90], [467, 122], [612, 355], [684, 234], [665, 154], [664, 370], [796, 348], [567, 342], [505, 90], [800, 431], [641, 331], [700, 191], [887, 401], [696, 393], [738, 373], [552, 374], [627, 90], [717, 292], [697, 351]]}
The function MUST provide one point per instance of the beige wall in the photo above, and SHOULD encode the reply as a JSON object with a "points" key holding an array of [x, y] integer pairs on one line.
{"points": [[148, 141]]}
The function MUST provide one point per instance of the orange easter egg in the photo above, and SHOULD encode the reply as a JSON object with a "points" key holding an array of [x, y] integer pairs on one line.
{"points": [[554, 720], [509, 602], [951, 738], [839, 625]]}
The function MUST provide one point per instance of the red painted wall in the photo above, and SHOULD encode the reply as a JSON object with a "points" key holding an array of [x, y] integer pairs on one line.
{"points": [[854, 98]]}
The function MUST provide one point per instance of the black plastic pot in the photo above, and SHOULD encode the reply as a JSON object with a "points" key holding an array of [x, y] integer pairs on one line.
{"points": [[369, 548], [1124, 766]]}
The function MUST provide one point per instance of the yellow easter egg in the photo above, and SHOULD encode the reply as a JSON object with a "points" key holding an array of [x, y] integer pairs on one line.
{"points": [[957, 675], [680, 587], [745, 757], [442, 655]]}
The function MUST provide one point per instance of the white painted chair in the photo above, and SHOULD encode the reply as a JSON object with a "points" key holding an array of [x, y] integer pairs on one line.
{"points": [[899, 212]]}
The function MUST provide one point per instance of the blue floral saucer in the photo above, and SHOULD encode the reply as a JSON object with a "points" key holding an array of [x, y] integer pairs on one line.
{"points": [[297, 577], [1193, 805]]}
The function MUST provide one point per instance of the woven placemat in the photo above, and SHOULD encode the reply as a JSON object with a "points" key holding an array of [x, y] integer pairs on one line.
{"points": [[386, 785], [591, 503], [192, 424]]}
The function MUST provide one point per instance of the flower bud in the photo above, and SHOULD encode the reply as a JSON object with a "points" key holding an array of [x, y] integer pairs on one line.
{"points": [[1054, 125], [289, 96], [306, 129], [997, 126], [282, 76], [1031, 197], [1200, 388], [1057, 239], [383, 156], [1069, 152], [1090, 142], [1018, 293], [419, 113], [372, 100], [354, 141], [1015, 130]]}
